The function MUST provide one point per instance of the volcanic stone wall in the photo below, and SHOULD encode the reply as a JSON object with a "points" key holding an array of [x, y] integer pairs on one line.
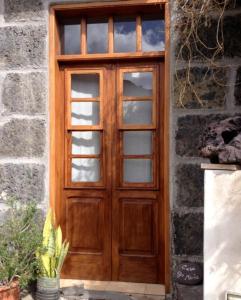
{"points": [[221, 98], [24, 119]]}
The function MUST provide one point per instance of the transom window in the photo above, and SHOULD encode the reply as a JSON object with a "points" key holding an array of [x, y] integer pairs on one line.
{"points": [[113, 34]]}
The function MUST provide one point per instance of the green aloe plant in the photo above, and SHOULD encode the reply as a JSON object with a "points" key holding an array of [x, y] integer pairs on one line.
{"points": [[52, 254]]}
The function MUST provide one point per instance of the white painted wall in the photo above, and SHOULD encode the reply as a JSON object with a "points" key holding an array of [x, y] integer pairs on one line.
{"points": [[222, 233]]}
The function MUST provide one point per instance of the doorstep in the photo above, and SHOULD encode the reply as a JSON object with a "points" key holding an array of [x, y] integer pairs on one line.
{"points": [[101, 295], [97, 295], [117, 286], [111, 290]]}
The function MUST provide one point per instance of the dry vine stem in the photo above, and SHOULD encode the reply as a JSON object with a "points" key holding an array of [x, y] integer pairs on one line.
{"points": [[195, 19]]}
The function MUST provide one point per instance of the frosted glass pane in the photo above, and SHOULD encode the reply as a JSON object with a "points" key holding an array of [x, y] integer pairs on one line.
{"points": [[97, 36], [125, 35], [137, 170], [138, 84], [85, 113], [153, 35], [71, 39], [86, 142], [84, 85], [85, 170], [137, 112], [137, 142]]}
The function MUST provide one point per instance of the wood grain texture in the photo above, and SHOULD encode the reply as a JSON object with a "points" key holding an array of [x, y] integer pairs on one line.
{"points": [[111, 35], [112, 250], [106, 5], [136, 213], [138, 34], [166, 155], [109, 56], [83, 36]]}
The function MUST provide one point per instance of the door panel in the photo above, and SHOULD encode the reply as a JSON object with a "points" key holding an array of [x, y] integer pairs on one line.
{"points": [[112, 194], [88, 231], [86, 218], [137, 226], [87, 192], [135, 223]]}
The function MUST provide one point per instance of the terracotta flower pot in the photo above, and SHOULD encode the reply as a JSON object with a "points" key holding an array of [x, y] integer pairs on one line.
{"points": [[11, 292]]}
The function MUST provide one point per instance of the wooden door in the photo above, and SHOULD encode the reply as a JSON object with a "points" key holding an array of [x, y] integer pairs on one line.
{"points": [[112, 183]]}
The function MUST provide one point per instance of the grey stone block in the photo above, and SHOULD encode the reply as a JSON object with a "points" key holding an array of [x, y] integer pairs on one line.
{"points": [[207, 32], [210, 85], [190, 182], [23, 46], [188, 234], [24, 93], [190, 127], [23, 10], [189, 292], [233, 4], [237, 92], [232, 36], [22, 138], [207, 36], [23, 181]]}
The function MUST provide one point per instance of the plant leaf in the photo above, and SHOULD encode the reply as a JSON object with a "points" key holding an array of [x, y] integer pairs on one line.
{"points": [[58, 241], [63, 254], [47, 228]]}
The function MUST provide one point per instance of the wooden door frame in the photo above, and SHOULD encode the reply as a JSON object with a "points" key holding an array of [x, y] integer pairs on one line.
{"points": [[54, 96]]}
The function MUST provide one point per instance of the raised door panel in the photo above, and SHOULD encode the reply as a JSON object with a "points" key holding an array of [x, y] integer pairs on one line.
{"points": [[137, 226], [135, 236], [138, 269], [88, 228], [85, 224]]}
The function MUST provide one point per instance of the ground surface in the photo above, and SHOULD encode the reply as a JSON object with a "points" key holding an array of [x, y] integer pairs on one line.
{"points": [[107, 290], [104, 295]]}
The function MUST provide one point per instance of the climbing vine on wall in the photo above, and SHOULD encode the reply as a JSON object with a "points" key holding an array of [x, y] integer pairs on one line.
{"points": [[200, 29]]}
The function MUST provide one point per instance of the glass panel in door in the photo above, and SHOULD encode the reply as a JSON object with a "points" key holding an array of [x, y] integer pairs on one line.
{"points": [[137, 170], [85, 155], [137, 124], [137, 84], [85, 85], [137, 142], [86, 143]]}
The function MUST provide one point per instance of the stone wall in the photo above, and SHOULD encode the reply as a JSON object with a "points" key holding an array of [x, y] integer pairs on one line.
{"points": [[186, 125], [24, 103], [24, 119], [24, 100]]}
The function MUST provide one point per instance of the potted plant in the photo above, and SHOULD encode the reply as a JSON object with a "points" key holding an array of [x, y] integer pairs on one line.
{"points": [[51, 256], [20, 234]]}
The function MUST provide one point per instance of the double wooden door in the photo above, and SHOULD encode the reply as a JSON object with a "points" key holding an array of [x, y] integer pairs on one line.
{"points": [[112, 210]]}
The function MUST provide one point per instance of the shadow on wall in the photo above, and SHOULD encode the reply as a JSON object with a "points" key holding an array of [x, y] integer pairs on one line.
{"points": [[222, 247]]}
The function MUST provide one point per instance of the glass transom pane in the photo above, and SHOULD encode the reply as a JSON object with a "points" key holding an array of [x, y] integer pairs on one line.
{"points": [[137, 112], [85, 113], [137, 84], [85, 170], [97, 36], [137, 142], [138, 170], [71, 37], [125, 35], [153, 34], [84, 85], [85, 143]]}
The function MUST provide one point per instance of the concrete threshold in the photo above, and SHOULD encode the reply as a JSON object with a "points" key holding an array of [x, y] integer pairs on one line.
{"points": [[117, 286]]}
